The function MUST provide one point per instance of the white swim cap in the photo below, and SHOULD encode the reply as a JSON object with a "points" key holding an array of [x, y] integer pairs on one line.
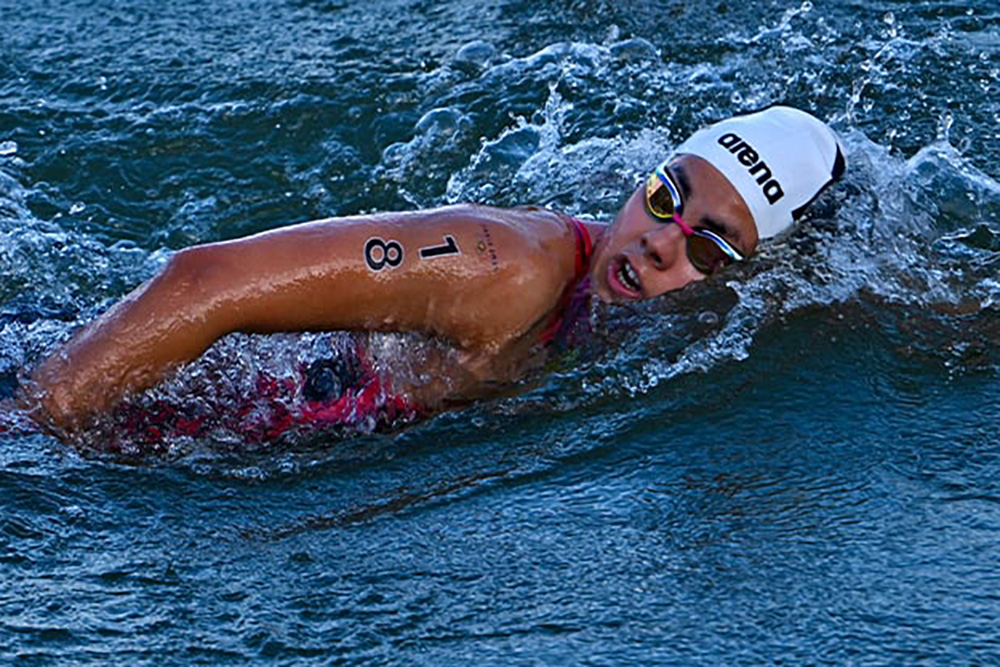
{"points": [[778, 159]]}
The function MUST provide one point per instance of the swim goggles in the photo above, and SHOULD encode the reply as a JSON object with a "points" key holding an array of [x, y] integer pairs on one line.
{"points": [[707, 251]]}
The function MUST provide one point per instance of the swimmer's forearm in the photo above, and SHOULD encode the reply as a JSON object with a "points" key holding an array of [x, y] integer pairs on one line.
{"points": [[169, 320]]}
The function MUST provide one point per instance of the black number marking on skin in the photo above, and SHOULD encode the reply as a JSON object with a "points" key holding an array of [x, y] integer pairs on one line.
{"points": [[450, 247], [380, 254]]}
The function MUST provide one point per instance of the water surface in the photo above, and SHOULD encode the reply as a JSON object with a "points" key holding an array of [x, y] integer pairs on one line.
{"points": [[795, 463]]}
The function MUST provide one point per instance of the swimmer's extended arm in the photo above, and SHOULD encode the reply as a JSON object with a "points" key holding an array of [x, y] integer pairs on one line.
{"points": [[478, 277]]}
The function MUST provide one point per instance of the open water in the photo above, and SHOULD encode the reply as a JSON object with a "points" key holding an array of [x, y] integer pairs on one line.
{"points": [[796, 463]]}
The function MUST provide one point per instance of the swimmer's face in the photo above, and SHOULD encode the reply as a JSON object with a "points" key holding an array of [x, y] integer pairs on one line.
{"points": [[640, 256]]}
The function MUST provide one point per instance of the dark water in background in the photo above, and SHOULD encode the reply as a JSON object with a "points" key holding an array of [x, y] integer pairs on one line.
{"points": [[798, 463]]}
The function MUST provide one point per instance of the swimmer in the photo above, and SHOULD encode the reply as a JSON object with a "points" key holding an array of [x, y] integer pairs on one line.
{"points": [[494, 283]]}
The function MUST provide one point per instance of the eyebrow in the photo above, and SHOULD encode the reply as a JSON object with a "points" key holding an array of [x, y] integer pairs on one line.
{"points": [[712, 224]]}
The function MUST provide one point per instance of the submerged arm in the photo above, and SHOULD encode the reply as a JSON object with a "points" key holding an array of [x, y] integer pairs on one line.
{"points": [[479, 278]]}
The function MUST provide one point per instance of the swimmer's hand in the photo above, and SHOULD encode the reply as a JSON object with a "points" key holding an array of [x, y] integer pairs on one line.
{"points": [[479, 277]]}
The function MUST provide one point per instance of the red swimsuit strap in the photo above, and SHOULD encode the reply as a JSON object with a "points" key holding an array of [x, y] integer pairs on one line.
{"points": [[584, 250], [584, 247]]}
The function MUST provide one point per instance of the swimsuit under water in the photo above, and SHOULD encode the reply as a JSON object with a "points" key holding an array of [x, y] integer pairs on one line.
{"points": [[344, 390]]}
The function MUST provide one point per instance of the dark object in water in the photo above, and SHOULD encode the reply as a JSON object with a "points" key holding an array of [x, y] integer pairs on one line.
{"points": [[9, 384], [327, 379], [25, 313]]}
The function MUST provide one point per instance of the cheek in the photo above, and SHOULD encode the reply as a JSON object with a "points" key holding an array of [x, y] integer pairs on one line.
{"points": [[608, 245], [682, 275], [693, 275]]}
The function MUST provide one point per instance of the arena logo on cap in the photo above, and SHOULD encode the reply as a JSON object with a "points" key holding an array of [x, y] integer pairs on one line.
{"points": [[750, 159]]}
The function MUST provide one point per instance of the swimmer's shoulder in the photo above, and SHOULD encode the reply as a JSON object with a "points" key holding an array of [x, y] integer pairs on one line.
{"points": [[516, 264], [519, 239]]}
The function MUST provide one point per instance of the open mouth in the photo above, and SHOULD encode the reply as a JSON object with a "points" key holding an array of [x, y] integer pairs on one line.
{"points": [[627, 278]]}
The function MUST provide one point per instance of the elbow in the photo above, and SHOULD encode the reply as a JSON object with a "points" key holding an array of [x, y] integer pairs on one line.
{"points": [[191, 268], [195, 281]]}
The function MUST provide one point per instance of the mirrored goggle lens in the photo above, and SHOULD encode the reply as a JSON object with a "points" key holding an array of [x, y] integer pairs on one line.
{"points": [[707, 255], [659, 199]]}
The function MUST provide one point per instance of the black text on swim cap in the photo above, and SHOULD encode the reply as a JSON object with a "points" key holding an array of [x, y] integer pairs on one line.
{"points": [[749, 158]]}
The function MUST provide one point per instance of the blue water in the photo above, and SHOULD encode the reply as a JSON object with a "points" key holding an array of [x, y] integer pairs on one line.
{"points": [[796, 463]]}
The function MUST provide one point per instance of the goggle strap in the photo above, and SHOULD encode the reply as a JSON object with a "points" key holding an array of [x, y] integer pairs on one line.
{"points": [[685, 227]]}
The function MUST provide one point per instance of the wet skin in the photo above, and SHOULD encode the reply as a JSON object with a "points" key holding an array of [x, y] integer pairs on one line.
{"points": [[490, 295], [655, 250]]}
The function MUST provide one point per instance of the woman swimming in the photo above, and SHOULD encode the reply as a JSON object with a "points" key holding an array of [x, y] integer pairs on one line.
{"points": [[494, 283]]}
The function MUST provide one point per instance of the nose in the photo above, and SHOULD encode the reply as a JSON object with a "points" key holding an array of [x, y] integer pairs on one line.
{"points": [[663, 245]]}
